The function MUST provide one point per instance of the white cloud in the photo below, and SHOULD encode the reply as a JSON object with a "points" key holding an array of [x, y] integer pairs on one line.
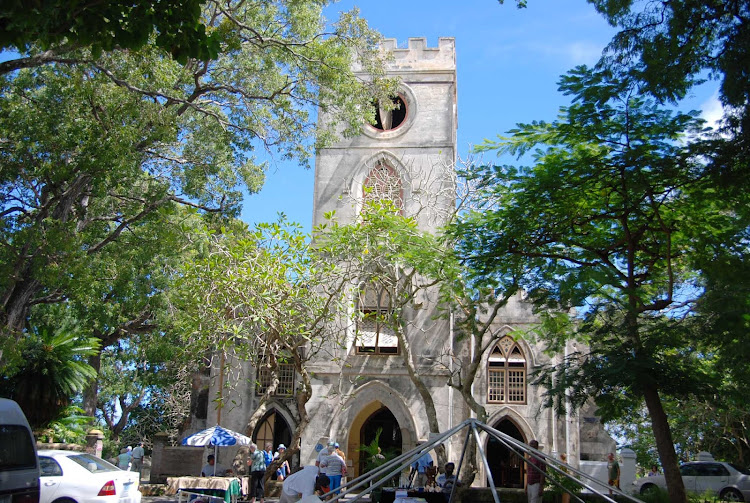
{"points": [[711, 110], [580, 53]]}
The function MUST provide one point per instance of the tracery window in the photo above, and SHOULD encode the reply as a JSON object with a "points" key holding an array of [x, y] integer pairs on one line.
{"points": [[374, 333], [382, 185], [506, 373]]}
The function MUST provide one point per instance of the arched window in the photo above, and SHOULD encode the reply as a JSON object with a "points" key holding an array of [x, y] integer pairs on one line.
{"points": [[506, 373], [382, 185]]}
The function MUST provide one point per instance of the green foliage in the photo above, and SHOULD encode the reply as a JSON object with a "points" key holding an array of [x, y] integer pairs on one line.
{"points": [[52, 370], [176, 26], [374, 457], [715, 425], [101, 144], [604, 221], [71, 426]]}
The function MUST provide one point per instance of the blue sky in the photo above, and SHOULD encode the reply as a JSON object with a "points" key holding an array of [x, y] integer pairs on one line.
{"points": [[508, 64]]}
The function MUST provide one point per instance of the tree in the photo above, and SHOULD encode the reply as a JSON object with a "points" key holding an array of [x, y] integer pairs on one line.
{"points": [[259, 296], [51, 370], [602, 221], [97, 148], [58, 26]]}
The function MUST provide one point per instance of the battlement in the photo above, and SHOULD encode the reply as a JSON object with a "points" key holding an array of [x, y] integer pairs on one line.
{"points": [[420, 57]]}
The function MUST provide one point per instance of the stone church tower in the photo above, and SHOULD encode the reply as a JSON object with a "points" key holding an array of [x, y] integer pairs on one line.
{"points": [[408, 156]]}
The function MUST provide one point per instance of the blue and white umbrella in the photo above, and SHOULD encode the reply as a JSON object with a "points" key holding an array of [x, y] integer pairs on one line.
{"points": [[216, 436]]}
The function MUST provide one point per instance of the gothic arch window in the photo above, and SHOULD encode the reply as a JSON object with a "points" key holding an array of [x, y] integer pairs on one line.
{"points": [[374, 333], [506, 373], [382, 185]]}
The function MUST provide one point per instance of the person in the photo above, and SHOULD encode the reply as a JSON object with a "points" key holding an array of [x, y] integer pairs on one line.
{"points": [[613, 472], [419, 466], [447, 480], [283, 470], [123, 459], [335, 468], [654, 471], [565, 495], [322, 454], [339, 451], [257, 464], [212, 468], [136, 460], [303, 483], [268, 453], [535, 475]]}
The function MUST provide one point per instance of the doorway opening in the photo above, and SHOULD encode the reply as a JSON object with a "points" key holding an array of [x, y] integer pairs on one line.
{"points": [[272, 429], [383, 425], [507, 467]]}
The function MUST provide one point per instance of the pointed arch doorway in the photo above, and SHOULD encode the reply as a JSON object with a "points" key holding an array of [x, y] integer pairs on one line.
{"points": [[506, 467], [272, 428], [369, 421]]}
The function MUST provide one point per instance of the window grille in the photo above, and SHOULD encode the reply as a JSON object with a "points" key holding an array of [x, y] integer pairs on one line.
{"points": [[286, 374]]}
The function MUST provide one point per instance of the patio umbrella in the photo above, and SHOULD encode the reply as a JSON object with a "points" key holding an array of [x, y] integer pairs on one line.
{"points": [[216, 436]]}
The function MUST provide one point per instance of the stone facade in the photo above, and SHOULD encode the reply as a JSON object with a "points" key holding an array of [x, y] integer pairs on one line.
{"points": [[417, 146]]}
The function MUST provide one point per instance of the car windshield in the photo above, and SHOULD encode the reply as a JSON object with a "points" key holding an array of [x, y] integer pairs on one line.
{"points": [[740, 469], [93, 464]]}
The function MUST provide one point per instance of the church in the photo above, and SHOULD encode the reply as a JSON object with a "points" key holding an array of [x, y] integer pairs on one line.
{"points": [[409, 155]]}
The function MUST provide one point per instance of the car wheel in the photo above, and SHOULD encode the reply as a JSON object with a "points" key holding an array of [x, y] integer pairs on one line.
{"points": [[731, 495], [65, 500], [647, 488]]}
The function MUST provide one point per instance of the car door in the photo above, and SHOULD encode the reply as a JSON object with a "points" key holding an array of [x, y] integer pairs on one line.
{"points": [[689, 472], [711, 477], [50, 478]]}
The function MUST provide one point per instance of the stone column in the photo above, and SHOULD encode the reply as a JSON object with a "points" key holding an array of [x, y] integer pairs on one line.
{"points": [[157, 456], [627, 470], [95, 442]]}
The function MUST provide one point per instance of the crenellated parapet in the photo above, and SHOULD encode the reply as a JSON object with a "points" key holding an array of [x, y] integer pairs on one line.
{"points": [[417, 56]]}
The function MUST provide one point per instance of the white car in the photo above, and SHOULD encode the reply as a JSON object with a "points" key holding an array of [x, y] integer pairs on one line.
{"points": [[727, 480], [77, 477]]}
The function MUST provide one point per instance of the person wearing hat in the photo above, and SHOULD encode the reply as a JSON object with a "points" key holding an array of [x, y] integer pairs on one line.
{"points": [[335, 468], [304, 484], [284, 470], [322, 455]]}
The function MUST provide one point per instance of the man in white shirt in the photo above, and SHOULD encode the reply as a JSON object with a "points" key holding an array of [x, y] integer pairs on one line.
{"points": [[213, 469], [136, 458], [301, 484]]}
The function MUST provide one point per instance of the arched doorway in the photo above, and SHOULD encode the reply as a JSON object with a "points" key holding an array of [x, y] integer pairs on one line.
{"points": [[389, 441], [506, 467], [272, 428]]}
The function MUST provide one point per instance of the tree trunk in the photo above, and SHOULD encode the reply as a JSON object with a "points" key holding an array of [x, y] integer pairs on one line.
{"points": [[665, 446], [91, 393], [429, 403]]}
